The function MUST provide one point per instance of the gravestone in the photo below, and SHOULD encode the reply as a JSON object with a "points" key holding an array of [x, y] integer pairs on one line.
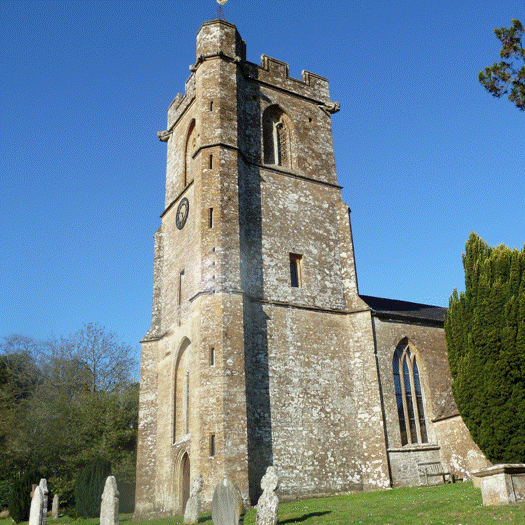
{"points": [[54, 508], [110, 503], [45, 492], [268, 504], [194, 504], [37, 504], [227, 507]]}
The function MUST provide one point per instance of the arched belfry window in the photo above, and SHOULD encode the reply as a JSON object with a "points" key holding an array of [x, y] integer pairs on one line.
{"points": [[191, 147], [277, 137], [409, 398]]}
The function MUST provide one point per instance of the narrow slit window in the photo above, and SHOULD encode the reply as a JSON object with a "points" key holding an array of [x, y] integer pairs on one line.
{"points": [[296, 270], [211, 162], [210, 218], [212, 445], [211, 105], [181, 287], [187, 404], [212, 356]]}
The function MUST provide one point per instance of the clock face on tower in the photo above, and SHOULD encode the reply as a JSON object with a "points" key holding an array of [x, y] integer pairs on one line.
{"points": [[182, 213]]}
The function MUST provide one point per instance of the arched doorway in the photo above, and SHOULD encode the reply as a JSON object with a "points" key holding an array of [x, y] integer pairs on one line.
{"points": [[185, 477]]}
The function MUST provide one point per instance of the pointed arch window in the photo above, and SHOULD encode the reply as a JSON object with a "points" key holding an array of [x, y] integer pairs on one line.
{"points": [[409, 397], [182, 393], [277, 137]]}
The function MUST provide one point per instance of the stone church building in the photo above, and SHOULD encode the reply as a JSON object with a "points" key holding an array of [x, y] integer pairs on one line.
{"points": [[261, 350]]}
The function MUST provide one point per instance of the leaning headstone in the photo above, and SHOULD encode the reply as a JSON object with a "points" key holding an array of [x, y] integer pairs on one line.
{"points": [[109, 507], [45, 492], [37, 504], [268, 504], [194, 504], [227, 507], [54, 508]]}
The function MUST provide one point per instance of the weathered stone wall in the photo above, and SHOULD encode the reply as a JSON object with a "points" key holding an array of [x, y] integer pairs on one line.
{"points": [[458, 451], [429, 344]]}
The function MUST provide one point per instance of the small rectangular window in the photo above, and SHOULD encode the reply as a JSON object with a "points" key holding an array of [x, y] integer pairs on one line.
{"points": [[211, 105], [212, 356], [211, 162], [212, 445], [295, 270], [210, 218]]}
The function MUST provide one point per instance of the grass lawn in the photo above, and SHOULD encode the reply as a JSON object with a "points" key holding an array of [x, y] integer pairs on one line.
{"points": [[440, 505]]}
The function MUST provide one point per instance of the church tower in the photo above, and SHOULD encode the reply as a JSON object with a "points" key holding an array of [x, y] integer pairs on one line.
{"points": [[260, 351]]}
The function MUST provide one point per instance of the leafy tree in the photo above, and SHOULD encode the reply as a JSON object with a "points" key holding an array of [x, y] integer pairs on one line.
{"points": [[505, 77], [92, 358], [73, 400], [485, 331], [19, 378]]}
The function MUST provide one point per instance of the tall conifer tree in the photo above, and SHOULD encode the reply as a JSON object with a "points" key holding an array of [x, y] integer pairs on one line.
{"points": [[485, 330]]}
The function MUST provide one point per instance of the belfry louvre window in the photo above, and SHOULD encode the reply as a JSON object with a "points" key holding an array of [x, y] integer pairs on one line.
{"points": [[295, 270], [409, 398]]}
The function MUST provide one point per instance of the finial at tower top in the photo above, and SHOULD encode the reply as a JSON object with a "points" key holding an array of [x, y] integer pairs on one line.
{"points": [[220, 13]]}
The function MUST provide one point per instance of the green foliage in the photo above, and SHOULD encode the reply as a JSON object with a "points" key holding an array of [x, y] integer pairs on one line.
{"points": [[89, 487], [20, 497], [504, 77], [5, 493], [485, 331], [66, 402]]}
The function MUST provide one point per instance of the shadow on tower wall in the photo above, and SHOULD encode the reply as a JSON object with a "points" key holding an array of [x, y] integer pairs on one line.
{"points": [[259, 431]]}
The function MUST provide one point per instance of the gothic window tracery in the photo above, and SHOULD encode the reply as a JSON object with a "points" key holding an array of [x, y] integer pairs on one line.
{"points": [[277, 137], [409, 396]]}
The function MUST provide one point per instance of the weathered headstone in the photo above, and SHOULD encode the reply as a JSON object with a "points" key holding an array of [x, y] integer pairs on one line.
{"points": [[55, 507], [268, 504], [194, 504], [110, 503], [227, 507], [37, 504], [45, 492]]}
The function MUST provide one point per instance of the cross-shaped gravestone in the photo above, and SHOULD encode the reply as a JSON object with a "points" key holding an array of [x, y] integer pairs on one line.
{"points": [[268, 504]]}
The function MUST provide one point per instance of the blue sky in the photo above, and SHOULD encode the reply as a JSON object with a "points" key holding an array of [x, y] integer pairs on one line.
{"points": [[424, 154]]}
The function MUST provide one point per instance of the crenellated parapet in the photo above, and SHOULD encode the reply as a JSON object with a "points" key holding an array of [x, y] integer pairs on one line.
{"points": [[218, 39], [276, 73]]}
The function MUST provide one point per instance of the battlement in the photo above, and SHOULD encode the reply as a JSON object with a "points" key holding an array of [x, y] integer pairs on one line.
{"points": [[276, 73], [218, 39]]}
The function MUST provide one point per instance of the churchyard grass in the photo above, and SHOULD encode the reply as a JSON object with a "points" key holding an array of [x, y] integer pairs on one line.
{"points": [[455, 504]]}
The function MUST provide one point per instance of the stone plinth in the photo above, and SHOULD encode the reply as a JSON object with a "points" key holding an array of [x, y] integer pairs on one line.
{"points": [[502, 484]]}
